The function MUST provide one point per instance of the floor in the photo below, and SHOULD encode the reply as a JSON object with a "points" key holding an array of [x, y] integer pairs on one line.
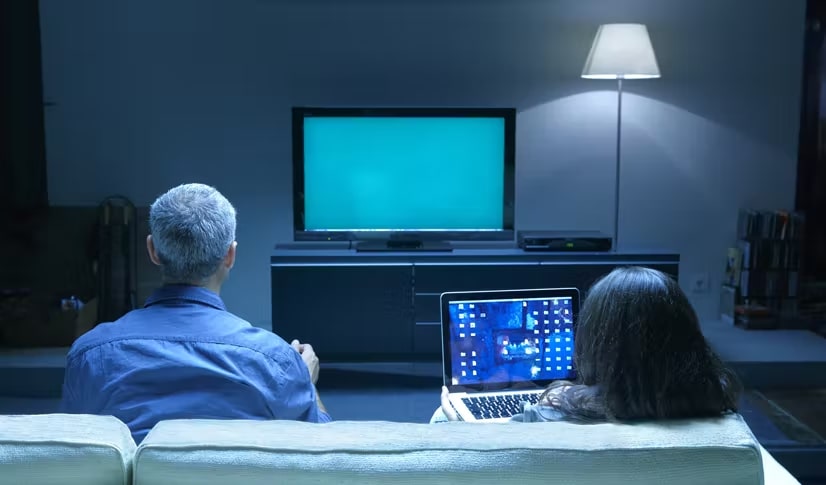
{"points": [[798, 413], [402, 404]]}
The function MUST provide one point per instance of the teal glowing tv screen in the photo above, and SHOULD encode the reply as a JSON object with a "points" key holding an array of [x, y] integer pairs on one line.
{"points": [[430, 173]]}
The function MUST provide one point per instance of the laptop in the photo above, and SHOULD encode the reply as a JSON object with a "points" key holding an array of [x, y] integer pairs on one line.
{"points": [[500, 348]]}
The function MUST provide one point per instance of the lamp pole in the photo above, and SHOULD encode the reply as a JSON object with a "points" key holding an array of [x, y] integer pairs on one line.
{"points": [[617, 178]]}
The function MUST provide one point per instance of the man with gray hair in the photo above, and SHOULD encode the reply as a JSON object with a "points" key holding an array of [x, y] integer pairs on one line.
{"points": [[183, 355]]}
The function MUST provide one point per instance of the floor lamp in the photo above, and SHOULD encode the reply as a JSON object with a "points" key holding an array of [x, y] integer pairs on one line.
{"points": [[621, 51]]}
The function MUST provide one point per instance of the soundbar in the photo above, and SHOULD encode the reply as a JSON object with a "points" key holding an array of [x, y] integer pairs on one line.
{"points": [[563, 241]]}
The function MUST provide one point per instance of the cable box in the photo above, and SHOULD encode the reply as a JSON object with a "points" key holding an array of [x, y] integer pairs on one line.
{"points": [[563, 241]]}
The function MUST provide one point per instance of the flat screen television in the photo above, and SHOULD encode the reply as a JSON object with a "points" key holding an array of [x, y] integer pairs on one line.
{"points": [[403, 177]]}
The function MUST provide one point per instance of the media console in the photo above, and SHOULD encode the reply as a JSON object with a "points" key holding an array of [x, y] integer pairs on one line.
{"points": [[384, 306]]}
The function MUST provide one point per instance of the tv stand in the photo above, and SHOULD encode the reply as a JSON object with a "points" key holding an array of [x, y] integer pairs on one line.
{"points": [[404, 245], [361, 306]]}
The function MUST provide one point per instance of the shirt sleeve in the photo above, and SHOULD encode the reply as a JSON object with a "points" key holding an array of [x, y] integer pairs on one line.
{"points": [[292, 394]]}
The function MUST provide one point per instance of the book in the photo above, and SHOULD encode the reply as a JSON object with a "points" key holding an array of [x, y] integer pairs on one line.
{"points": [[734, 264]]}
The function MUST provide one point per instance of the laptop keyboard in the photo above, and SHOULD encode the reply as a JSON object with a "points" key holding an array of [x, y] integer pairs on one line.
{"points": [[499, 405]]}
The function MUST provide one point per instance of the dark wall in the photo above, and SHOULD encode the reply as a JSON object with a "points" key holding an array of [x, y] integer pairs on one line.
{"points": [[154, 93], [22, 148]]}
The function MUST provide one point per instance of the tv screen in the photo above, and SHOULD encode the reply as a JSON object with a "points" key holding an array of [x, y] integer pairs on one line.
{"points": [[372, 173]]}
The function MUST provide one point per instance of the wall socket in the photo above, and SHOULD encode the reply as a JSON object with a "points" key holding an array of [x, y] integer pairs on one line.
{"points": [[699, 283]]}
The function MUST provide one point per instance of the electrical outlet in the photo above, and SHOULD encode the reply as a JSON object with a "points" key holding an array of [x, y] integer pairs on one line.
{"points": [[700, 283]]}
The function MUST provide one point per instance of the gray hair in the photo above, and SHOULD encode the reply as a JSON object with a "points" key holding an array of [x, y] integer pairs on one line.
{"points": [[192, 226]]}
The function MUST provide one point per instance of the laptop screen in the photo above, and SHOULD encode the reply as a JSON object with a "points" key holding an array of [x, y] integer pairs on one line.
{"points": [[505, 338]]}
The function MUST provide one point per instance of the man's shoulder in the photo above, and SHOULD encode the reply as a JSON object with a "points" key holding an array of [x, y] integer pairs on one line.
{"points": [[101, 334], [261, 340], [225, 332]]}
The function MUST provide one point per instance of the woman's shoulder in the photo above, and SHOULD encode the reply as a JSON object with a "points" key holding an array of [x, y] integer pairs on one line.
{"points": [[547, 408], [551, 395], [558, 389], [535, 413]]}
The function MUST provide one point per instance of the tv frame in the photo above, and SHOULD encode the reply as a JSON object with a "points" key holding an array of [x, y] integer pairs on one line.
{"points": [[299, 113]]}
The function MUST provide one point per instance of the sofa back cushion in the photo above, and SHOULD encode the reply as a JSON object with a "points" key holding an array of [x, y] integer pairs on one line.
{"points": [[65, 449], [718, 451]]}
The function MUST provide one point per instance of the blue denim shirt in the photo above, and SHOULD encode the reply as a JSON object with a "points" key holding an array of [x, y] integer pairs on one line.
{"points": [[184, 356]]}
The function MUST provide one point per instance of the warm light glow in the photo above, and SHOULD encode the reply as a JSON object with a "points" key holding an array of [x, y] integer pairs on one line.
{"points": [[621, 51]]}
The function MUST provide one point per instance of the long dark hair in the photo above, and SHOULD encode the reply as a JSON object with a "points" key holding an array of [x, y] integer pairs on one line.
{"points": [[640, 355]]}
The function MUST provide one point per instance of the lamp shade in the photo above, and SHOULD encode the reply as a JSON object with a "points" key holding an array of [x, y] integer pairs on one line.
{"points": [[621, 51]]}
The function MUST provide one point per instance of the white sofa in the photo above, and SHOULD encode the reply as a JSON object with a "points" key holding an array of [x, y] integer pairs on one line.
{"points": [[94, 450]]}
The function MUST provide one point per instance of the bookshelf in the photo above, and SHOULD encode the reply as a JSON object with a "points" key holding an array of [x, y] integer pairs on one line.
{"points": [[762, 271]]}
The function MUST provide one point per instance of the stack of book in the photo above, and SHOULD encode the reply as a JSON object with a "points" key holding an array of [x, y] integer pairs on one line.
{"points": [[762, 270]]}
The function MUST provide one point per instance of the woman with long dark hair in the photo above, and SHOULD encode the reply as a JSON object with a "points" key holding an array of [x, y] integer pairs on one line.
{"points": [[640, 355]]}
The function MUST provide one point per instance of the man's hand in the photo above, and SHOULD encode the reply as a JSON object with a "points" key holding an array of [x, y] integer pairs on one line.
{"points": [[447, 408], [308, 356]]}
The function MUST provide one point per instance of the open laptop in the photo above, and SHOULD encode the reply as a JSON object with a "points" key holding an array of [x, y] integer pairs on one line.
{"points": [[500, 348]]}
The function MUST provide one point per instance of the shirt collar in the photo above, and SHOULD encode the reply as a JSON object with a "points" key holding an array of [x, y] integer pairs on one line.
{"points": [[195, 294]]}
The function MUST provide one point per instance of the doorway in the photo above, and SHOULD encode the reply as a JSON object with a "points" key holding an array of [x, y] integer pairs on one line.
{"points": [[810, 196]]}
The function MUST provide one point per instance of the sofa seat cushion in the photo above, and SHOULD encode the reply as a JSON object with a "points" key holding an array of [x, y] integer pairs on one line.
{"points": [[66, 449], [718, 451]]}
